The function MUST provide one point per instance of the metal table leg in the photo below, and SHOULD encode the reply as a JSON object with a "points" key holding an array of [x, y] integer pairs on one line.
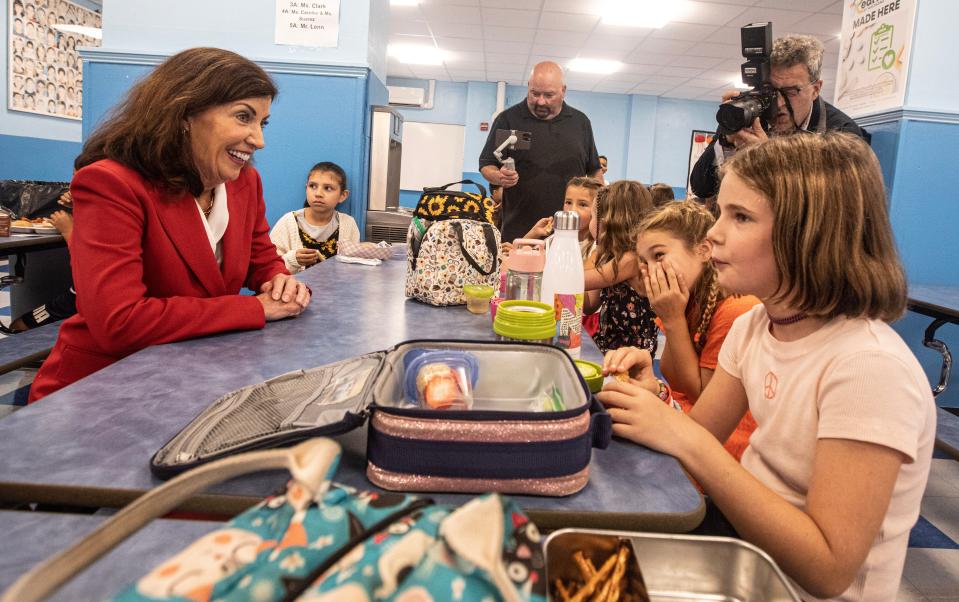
{"points": [[931, 342]]}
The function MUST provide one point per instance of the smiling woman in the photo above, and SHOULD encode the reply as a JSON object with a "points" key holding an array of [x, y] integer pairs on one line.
{"points": [[169, 218]]}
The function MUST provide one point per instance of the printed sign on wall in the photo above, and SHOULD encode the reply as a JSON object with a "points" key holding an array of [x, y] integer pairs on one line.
{"points": [[874, 55], [44, 73], [307, 23]]}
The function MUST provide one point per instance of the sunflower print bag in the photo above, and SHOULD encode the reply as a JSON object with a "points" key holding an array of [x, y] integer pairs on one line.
{"points": [[438, 203]]}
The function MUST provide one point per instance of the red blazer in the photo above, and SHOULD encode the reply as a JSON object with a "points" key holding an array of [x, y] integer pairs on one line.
{"points": [[145, 274]]}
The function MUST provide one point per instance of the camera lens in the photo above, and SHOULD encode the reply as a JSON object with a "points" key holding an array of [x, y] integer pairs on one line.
{"points": [[739, 113]]}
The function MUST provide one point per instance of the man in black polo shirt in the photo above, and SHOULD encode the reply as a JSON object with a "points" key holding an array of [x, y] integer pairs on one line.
{"points": [[562, 147]]}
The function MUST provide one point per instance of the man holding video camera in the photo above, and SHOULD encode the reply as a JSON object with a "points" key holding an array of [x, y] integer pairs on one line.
{"points": [[558, 145], [795, 64]]}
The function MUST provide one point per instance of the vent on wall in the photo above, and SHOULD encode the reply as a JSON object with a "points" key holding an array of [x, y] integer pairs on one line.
{"points": [[406, 97], [391, 234]]}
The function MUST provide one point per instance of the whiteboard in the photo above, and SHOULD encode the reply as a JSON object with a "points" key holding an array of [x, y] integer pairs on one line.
{"points": [[432, 155]]}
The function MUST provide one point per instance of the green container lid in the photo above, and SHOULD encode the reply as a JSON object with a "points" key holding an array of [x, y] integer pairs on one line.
{"points": [[525, 320], [483, 291], [592, 373]]}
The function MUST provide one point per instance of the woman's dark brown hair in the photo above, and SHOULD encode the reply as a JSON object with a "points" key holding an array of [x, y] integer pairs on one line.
{"points": [[146, 131]]}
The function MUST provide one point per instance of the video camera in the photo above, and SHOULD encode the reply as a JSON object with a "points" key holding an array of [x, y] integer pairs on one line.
{"points": [[740, 111]]}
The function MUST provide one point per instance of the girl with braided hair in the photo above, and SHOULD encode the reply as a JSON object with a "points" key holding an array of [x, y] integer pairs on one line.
{"points": [[693, 311]]}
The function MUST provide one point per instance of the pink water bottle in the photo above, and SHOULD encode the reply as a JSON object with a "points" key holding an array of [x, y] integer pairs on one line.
{"points": [[524, 278]]}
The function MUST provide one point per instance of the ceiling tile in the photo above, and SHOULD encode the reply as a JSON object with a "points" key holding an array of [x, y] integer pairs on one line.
{"points": [[463, 15], [512, 47], [700, 62], [568, 21], [708, 13], [509, 18], [612, 42], [507, 58], [681, 71], [590, 7], [672, 47], [820, 24], [507, 34], [736, 2], [557, 38], [810, 5], [614, 87], [560, 51], [665, 80], [720, 51], [835, 8], [642, 57], [457, 44], [452, 30], [782, 20], [684, 31], [463, 58], [521, 4], [728, 35], [632, 70]]}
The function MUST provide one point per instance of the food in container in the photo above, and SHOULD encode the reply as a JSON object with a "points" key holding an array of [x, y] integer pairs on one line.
{"points": [[673, 567], [592, 374], [477, 297]]}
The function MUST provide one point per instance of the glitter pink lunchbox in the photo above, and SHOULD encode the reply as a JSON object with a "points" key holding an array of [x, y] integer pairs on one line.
{"points": [[454, 416]]}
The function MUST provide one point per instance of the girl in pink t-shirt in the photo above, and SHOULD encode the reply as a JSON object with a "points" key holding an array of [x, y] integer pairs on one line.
{"points": [[831, 482]]}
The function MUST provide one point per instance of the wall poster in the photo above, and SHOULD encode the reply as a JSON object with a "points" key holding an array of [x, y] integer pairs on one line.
{"points": [[44, 72], [875, 45]]}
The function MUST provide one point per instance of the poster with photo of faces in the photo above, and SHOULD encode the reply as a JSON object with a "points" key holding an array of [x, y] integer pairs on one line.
{"points": [[44, 73]]}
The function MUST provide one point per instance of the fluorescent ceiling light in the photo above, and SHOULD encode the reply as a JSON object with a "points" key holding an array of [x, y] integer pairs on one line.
{"points": [[737, 82], [416, 55], [641, 13], [91, 32], [598, 66], [404, 2]]}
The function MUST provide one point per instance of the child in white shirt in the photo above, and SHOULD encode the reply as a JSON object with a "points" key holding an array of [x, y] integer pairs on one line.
{"points": [[831, 482], [308, 236]]}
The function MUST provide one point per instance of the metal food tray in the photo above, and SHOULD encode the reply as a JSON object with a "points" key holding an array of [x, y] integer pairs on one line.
{"points": [[678, 567]]}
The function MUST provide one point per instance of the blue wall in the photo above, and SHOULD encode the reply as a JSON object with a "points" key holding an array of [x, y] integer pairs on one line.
{"points": [[26, 158]]}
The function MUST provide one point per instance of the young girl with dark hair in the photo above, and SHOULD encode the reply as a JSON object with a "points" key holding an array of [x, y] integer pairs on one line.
{"points": [[312, 234]]}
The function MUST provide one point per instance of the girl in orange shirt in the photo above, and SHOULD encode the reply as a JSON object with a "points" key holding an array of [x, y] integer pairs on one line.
{"points": [[693, 311]]}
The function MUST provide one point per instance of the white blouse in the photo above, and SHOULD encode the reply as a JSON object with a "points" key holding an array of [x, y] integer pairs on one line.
{"points": [[217, 222]]}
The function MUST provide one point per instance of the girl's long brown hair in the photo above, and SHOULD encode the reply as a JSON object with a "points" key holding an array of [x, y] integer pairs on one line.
{"points": [[689, 221], [146, 131], [619, 209]]}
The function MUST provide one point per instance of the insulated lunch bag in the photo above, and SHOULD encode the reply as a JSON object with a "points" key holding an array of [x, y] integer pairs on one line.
{"points": [[532, 435], [451, 243]]}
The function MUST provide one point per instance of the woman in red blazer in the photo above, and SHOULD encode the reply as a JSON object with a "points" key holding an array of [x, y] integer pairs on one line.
{"points": [[169, 219]]}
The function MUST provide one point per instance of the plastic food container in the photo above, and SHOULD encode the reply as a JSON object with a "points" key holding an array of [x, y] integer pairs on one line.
{"points": [[676, 567], [440, 379], [592, 374], [477, 297], [529, 321]]}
